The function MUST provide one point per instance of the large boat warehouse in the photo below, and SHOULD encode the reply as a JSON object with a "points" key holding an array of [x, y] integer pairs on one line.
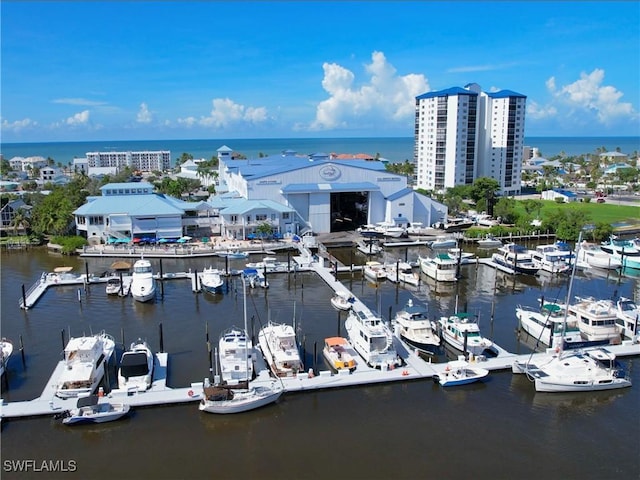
{"points": [[291, 192]]}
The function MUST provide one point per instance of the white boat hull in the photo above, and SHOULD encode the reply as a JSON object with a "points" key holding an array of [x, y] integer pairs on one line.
{"points": [[102, 413], [242, 400]]}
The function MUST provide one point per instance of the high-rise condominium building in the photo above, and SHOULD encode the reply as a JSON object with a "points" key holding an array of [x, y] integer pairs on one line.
{"points": [[463, 133], [144, 161]]}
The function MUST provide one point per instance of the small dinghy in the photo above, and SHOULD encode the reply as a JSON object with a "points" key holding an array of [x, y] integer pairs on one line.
{"points": [[460, 372], [91, 410]]}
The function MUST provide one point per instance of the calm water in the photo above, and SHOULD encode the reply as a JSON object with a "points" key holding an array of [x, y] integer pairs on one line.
{"points": [[497, 429], [394, 149]]}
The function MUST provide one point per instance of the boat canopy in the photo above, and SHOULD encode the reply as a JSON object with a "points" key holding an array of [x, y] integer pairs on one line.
{"points": [[88, 401]]}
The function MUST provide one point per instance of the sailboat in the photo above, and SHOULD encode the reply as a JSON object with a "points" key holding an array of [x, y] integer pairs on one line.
{"points": [[576, 370], [225, 398]]}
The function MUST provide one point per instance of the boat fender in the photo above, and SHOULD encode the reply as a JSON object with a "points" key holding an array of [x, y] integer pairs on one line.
{"points": [[448, 368], [190, 393], [405, 373]]}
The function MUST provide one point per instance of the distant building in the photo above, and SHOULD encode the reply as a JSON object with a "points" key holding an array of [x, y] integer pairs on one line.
{"points": [[8, 212], [25, 164], [463, 133], [567, 196], [145, 161]]}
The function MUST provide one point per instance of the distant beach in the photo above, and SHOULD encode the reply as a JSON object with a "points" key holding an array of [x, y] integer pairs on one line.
{"points": [[394, 149]]}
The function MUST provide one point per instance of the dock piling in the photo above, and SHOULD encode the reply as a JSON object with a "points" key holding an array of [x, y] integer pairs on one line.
{"points": [[122, 336], [22, 352], [64, 344], [24, 297], [161, 338]]}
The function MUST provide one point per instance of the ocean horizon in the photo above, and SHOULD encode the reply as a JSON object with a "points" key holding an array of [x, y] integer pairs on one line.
{"points": [[394, 149]]}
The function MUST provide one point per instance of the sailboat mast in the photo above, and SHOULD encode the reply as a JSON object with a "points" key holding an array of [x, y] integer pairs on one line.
{"points": [[570, 289], [246, 331]]}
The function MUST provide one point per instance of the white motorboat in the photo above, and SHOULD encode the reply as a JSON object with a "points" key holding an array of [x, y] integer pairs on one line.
{"points": [[548, 325], [596, 319], [590, 255], [443, 242], [628, 317], [401, 272], [549, 258], [463, 333], [255, 278], [442, 267], [211, 280], [374, 271], [143, 285], [235, 351], [85, 360], [236, 394], [575, 371], [6, 349], [93, 409], [416, 228], [489, 242], [460, 372], [280, 348], [464, 258], [114, 286], [390, 229], [268, 264], [339, 353], [372, 339], [233, 254], [342, 300], [369, 247], [513, 259], [414, 327], [136, 367]]}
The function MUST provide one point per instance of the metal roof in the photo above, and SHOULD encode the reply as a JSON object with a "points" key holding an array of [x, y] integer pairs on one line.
{"points": [[330, 187], [446, 92], [134, 205]]}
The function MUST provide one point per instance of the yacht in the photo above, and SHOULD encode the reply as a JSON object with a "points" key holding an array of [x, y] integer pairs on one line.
{"points": [[339, 354], [269, 264], [628, 317], [549, 258], [143, 285], [589, 255], [374, 271], [235, 354], [514, 259], [85, 360], [235, 394], [628, 248], [280, 348], [548, 325], [401, 272], [575, 371], [442, 267], [372, 339], [414, 327], [136, 367], [460, 331], [211, 280], [596, 319]]}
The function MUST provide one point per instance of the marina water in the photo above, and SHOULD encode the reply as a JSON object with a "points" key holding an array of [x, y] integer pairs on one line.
{"points": [[499, 428]]}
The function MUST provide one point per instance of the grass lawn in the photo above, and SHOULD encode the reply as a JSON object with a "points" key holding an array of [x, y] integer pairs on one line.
{"points": [[597, 212]]}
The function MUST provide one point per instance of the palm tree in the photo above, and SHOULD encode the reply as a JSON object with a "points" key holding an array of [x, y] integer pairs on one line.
{"points": [[20, 221]]}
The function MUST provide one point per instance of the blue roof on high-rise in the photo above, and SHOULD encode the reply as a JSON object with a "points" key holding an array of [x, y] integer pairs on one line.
{"points": [[448, 91], [505, 94]]}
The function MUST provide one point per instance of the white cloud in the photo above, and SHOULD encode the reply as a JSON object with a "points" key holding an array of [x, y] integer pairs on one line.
{"points": [[226, 112], [536, 111], [385, 97], [80, 118], [18, 125], [588, 94], [78, 101], [144, 115]]}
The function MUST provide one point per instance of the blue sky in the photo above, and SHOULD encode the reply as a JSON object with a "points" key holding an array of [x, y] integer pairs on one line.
{"points": [[182, 70]]}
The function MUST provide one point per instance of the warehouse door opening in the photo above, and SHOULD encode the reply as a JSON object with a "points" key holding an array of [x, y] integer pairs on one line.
{"points": [[348, 210]]}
